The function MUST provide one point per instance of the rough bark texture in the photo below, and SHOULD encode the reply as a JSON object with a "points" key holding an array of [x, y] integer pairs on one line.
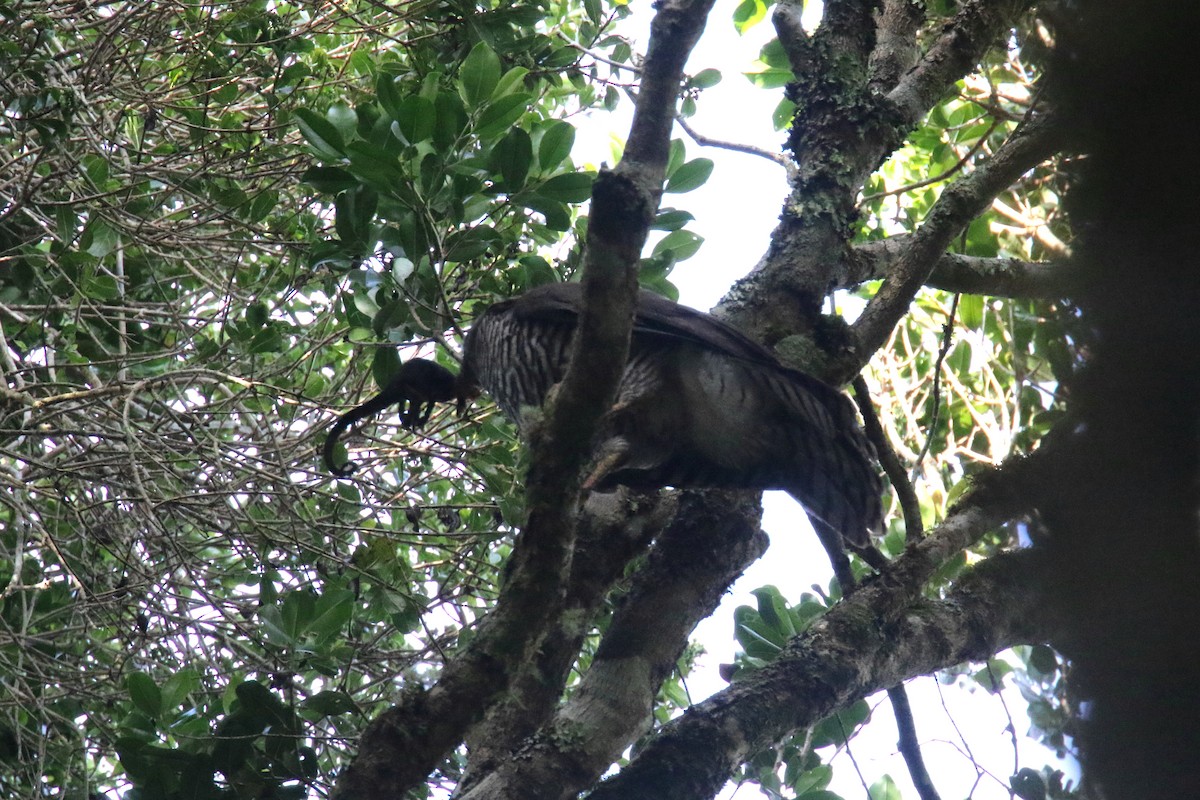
{"points": [[954, 272], [701, 553], [848, 654], [850, 116]]}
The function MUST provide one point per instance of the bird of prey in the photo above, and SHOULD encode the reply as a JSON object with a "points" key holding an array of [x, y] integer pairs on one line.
{"points": [[699, 405]]}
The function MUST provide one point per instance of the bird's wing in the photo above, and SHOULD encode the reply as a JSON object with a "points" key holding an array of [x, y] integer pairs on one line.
{"points": [[656, 316], [660, 318]]}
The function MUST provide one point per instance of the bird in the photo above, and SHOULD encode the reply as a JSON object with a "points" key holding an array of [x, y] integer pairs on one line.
{"points": [[699, 405]]}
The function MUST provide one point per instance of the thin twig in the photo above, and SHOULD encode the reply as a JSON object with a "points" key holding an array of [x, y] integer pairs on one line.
{"points": [[947, 340], [708, 141]]}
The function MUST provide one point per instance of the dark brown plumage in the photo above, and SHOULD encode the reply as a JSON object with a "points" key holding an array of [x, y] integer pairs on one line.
{"points": [[700, 405]]}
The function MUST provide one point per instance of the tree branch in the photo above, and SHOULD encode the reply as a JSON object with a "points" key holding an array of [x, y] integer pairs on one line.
{"points": [[909, 745], [953, 272], [713, 538], [847, 654], [910, 506], [836, 150], [736, 147], [896, 43], [613, 529], [954, 54], [1032, 143]]}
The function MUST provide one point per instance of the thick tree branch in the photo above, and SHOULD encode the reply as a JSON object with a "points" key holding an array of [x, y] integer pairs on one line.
{"points": [[844, 129], [995, 277], [613, 529], [712, 539], [975, 28], [405, 743], [1033, 142], [896, 44], [847, 654]]}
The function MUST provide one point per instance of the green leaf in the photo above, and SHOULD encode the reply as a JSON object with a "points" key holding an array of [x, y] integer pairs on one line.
{"points": [[470, 243], [478, 76], [781, 117], [748, 14], [970, 311], [144, 693], [770, 77], [257, 314], [675, 156], [451, 120], [671, 219], [512, 157], [343, 118], [333, 612], [835, 729], [690, 175], [499, 115], [354, 213], [681, 244], [813, 780], [556, 143], [101, 287], [101, 239], [178, 687], [1043, 659], [510, 82], [706, 78], [570, 187], [296, 613], [991, 676], [416, 118], [885, 789], [329, 180], [534, 271], [324, 139], [375, 166], [389, 94], [329, 703], [557, 214]]}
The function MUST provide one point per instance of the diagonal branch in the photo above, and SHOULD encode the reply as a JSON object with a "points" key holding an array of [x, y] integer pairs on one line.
{"points": [[613, 529], [1033, 142], [877, 637], [955, 53], [712, 539], [838, 144]]}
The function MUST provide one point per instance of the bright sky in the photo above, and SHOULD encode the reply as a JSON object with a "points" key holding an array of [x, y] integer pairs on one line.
{"points": [[735, 212]]}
